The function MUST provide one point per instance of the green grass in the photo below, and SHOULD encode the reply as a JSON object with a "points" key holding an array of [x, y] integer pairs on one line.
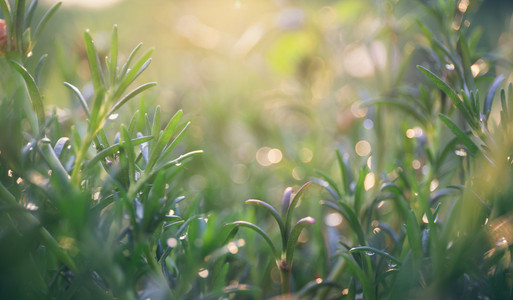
{"points": [[400, 180]]}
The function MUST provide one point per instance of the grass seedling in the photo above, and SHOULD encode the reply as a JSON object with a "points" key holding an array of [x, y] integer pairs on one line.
{"points": [[289, 234]]}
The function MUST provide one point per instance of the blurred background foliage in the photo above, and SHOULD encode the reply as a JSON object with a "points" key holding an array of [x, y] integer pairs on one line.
{"points": [[272, 87]]}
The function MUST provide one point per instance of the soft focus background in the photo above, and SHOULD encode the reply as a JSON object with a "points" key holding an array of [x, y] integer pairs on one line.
{"points": [[271, 87]]}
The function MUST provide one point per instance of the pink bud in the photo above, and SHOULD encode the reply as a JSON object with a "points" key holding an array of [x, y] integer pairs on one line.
{"points": [[3, 37]]}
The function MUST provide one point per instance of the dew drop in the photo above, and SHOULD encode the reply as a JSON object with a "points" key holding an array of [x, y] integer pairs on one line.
{"points": [[113, 116]]}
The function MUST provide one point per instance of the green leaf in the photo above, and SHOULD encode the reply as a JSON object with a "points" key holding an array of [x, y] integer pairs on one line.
{"points": [[448, 148], [129, 150], [293, 204], [294, 235], [151, 205], [260, 232], [366, 249], [39, 66], [113, 55], [97, 116], [49, 13], [399, 197], [466, 61], [487, 105], [80, 97], [155, 126], [113, 149], [510, 98], [325, 185], [131, 95], [425, 30], [59, 146], [463, 137], [414, 235], [285, 201], [368, 293], [33, 90], [179, 137], [451, 94], [329, 184], [360, 190], [271, 210], [124, 69], [348, 213], [94, 62], [133, 73], [19, 22], [344, 176], [53, 162], [177, 161], [30, 13]]}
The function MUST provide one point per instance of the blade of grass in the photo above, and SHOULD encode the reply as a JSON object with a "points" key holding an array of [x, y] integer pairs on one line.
{"points": [[329, 184], [40, 64], [345, 210], [260, 231], [360, 190], [113, 149], [80, 97], [179, 137], [463, 137], [131, 95], [30, 13], [376, 251], [133, 73], [33, 91], [487, 105], [366, 285], [19, 17], [94, 62], [451, 94], [270, 209], [113, 56], [293, 204], [294, 235], [49, 13], [344, 176]]}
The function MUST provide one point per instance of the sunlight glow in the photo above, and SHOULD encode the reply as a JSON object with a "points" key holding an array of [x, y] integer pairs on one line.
{"points": [[416, 164], [434, 184], [333, 219], [370, 180], [463, 5], [93, 4], [358, 111], [232, 248], [172, 242], [363, 148], [275, 156], [203, 273], [475, 69], [306, 155]]}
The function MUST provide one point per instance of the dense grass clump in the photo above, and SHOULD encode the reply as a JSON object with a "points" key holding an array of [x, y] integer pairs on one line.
{"points": [[407, 194]]}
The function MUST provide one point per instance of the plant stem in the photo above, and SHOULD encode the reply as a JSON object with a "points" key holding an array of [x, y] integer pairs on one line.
{"points": [[75, 175], [285, 282]]}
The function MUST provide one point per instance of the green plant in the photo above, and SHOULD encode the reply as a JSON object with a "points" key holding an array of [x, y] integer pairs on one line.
{"points": [[85, 223], [94, 200], [289, 234]]}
